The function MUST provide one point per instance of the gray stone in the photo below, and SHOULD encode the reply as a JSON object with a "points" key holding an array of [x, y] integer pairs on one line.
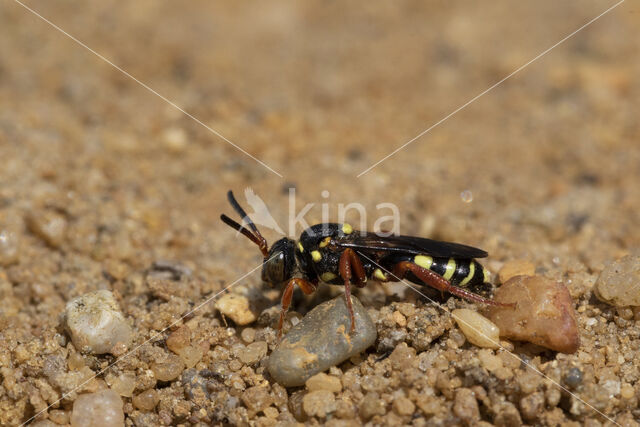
{"points": [[619, 282], [321, 340]]}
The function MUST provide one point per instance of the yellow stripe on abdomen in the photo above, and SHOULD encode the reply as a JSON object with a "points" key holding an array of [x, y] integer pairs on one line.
{"points": [[450, 269], [472, 271], [423, 261]]}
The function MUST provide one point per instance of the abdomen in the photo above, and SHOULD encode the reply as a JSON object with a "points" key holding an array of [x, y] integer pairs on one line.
{"points": [[459, 272]]}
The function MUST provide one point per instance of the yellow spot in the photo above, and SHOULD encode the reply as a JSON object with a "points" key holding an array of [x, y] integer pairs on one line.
{"points": [[328, 276], [325, 242], [486, 276], [300, 247], [472, 271], [316, 255], [451, 268], [347, 229], [423, 261], [378, 274]]}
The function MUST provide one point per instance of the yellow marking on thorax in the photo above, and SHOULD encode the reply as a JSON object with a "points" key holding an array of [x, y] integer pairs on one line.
{"points": [[316, 255], [486, 276], [300, 247], [324, 242], [423, 261], [379, 275], [472, 271], [450, 269], [347, 229], [328, 276]]}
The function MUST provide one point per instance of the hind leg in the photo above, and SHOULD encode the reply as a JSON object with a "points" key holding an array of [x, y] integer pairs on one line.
{"points": [[438, 282]]}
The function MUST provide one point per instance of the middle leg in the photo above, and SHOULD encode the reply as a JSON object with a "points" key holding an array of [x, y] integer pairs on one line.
{"points": [[351, 265]]}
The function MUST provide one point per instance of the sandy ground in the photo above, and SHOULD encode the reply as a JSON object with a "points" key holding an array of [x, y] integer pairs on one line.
{"points": [[544, 167]]}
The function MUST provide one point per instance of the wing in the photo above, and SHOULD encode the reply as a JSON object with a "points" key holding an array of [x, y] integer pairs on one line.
{"points": [[411, 245]]}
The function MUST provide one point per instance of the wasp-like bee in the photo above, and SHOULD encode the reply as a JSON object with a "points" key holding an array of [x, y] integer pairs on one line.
{"points": [[339, 255]]}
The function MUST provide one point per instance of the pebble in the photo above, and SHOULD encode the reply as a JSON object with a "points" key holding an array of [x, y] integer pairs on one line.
{"points": [[248, 335], [191, 355], [489, 361], [236, 307], [253, 353], [573, 378], [257, 398], [179, 339], [49, 226], [516, 267], [123, 384], [544, 313], [618, 284], [465, 405], [9, 247], [372, 405], [169, 369], [323, 381], [403, 406], [95, 323], [321, 340], [100, 409], [476, 328], [147, 400], [319, 403]]}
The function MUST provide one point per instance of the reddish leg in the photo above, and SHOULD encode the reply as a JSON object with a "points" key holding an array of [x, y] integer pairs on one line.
{"points": [[306, 286], [350, 263], [438, 282]]}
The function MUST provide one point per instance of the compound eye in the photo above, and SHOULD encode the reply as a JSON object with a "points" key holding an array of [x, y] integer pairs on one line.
{"points": [[274, 268]]}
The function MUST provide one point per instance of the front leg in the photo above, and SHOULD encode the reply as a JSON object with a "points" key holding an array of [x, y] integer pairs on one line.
{"points": [[350, 263], [306, 286]]}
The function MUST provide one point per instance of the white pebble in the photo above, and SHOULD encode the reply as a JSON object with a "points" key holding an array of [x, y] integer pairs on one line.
{"points": [[478, 329], [101, 409], [236, 307], [95, 323]]}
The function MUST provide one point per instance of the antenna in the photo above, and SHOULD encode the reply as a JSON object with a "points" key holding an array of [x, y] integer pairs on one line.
{"points": [[253, 235]]}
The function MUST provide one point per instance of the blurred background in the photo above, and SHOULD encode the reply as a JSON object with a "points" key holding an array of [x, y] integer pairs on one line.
{"points": [[320, 91]]}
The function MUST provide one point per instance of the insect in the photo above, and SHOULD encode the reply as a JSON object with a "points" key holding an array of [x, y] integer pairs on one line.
{"points": [[339, 255]]}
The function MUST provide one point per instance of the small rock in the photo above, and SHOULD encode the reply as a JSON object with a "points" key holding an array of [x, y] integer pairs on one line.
{"points": [[179, 339], [618, 283], [248, 335], [321, 340], [191, 355], [257, 398], [465, 405], [403, 406], [544, 313], [319, 403], [95, 323], [175, 139], [9, 247], [372, 405], [573, 378], [478, 329], [516, 267], [147, 400], [169, 369], [253, 353], [122, 384], [236, 307], [100, 409], [49, 226], [489, 361], [323, 381]]}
